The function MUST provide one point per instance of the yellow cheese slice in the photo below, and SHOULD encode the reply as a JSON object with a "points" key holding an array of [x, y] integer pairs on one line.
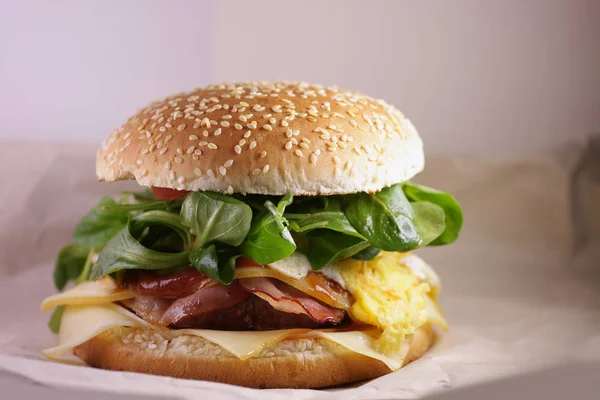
{"points": [[362, 343], [91, 292], [83, 322], [242, 344]]}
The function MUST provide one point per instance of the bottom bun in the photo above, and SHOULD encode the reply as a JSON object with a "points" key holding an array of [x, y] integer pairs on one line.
{"points": [[291, 363]]}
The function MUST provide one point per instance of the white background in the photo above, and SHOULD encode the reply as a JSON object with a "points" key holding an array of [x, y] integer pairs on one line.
{"points": [[492, 77]]}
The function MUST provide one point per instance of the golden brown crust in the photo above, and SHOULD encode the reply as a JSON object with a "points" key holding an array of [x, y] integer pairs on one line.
{"points": [[293, 363], [264, 138]]}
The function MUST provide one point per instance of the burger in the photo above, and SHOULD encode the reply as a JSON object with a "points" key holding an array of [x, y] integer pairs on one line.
{"points": [[270, 244]]}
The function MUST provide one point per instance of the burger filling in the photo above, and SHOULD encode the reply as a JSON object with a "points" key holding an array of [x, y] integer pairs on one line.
{"points": [[205, 260]]}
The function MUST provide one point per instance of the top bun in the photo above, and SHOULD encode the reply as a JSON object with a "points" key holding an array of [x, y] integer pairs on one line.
{"points": [[264, 138]]}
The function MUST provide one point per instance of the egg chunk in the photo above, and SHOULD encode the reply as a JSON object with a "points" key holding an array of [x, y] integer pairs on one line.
{"points": [[388, 295]]}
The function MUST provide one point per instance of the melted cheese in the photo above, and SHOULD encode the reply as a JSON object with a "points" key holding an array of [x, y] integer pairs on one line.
{"points": [[242, 344], [83, 322], [91, 292]]}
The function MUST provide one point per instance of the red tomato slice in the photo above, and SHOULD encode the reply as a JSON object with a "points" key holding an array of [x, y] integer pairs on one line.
{"points": [[168, 194]]}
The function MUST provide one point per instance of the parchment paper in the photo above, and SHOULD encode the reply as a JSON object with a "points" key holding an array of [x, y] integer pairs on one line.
{"points": [[517, 297]]}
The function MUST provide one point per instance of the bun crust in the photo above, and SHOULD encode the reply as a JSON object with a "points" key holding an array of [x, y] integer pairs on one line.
{"points": [[292, 363], [264, 138]]}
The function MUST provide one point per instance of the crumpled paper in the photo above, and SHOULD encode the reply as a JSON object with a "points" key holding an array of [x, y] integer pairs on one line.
{"points": [[518, 297]]}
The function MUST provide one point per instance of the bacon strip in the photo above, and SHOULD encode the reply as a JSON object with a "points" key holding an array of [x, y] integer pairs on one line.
{"points": [[204, 300], [285, 298], [174, 286]]}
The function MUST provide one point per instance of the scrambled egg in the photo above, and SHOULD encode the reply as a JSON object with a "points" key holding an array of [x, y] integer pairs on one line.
{"points": [[388, 295]]}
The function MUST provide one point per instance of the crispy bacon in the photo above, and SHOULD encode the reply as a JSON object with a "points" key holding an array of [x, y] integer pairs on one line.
{"points": [[204, 300], [285, 298], [191, 299], [173, 286]]}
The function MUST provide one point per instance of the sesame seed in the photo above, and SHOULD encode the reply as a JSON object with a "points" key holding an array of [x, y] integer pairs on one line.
{"points": [[169, 137], [193, 137], [179, 151], [181, 127], [190, 150], [265, 169], [181, 179], [222, 170], [228, 163], [210, 173], [239, 127], [252, 144], [162, 151], [256, 171], [162, 129], [243, 118], [304, 145], [336, 171], [284, 122], [298, 153], [252, 125], [272, 121], [212, 146], [202, 143], [139, 162], [305, 140], [198, 152], [276, 108], [153, 157], [217, 132], [242, 142], [198, 171], [237, 149], [224, 123], [205, 122], [144, 151], [172, 175], [336, 159], [342, 145], [289, 133], [263, 154], [288, 145], [313, 158], [226, 116], [267, 127], [178, 160], [168, 165]]}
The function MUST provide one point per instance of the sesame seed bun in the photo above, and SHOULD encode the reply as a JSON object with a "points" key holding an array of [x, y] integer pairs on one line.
{"points": [[264, 138], [292, 363]]}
